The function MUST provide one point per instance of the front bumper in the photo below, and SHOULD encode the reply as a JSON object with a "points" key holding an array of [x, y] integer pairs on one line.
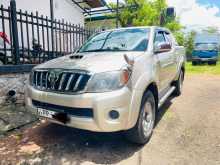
{"points": [[204, 59], [100, 103]]}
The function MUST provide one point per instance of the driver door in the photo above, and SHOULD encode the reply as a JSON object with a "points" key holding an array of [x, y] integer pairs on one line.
{"points": [[164, 63]]}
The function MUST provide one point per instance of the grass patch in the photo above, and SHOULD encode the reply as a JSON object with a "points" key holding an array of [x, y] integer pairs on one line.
{"points": [[203, 69]]}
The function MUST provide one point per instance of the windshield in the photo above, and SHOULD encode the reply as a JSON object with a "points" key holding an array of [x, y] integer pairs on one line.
{"points": [[206, 46], [119, 40]]}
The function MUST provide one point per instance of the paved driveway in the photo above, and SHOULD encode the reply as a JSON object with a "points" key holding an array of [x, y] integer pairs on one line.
{"points": [[187, 132]]}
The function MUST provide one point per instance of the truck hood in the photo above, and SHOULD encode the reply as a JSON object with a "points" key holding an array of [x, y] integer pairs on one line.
{"points": [[92, 62]]}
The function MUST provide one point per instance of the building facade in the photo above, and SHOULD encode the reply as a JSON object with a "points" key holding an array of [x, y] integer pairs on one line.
{"points": [[63, 9]]}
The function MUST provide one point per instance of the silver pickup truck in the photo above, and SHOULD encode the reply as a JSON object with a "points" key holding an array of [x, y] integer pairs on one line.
{"points": [[115, 82]]}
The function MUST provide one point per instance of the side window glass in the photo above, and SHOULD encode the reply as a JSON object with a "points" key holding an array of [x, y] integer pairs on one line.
{"points": [[159, 37], [168, 38]]}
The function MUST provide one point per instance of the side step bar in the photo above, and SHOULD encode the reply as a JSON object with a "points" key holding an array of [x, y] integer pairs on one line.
{"points": [[164, 98]]}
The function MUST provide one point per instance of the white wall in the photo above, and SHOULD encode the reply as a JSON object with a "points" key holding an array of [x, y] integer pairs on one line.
{"points": [[63, 9]]}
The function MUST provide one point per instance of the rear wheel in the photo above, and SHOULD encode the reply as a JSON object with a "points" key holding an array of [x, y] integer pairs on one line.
{"points": [[212, 62], [142, 131], [179, 84]]}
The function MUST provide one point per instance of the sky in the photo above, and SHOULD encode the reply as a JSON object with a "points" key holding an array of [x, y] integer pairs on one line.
{"points": [[196, 14]]}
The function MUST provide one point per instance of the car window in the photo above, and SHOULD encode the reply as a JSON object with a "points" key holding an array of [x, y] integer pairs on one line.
{"points": [[206, 46], [168, 38], [134, 39], [159, 37], [119, 40], [96, 42]]}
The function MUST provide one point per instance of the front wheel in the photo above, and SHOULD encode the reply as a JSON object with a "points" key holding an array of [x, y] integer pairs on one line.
{"points": [[194, 63], [142, 131]]}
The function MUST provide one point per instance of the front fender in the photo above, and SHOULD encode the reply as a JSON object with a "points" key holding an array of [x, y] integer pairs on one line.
{"points": [[180, 63], [138, 91]]}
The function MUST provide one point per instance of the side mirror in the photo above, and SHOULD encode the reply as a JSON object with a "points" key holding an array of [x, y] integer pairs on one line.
{"points": [[162, 47]]}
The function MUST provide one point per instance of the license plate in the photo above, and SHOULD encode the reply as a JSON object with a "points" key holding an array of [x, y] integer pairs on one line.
{"points": [[45, 113]]}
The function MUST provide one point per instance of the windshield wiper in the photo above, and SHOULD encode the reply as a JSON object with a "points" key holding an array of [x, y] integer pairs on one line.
{"points": [[95, 50]]}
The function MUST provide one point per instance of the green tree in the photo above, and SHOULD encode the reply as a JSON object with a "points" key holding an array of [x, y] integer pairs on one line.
{"points": [[173, 25], [180, 38], [148, 13], [189, 43], [141, 12]]}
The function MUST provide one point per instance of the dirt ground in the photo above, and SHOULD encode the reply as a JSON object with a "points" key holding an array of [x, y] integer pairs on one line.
{"points": [[14, 116], [187, 132]]}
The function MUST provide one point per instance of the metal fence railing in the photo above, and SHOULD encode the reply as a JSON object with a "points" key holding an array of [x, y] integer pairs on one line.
{"points": [[30, 38]]}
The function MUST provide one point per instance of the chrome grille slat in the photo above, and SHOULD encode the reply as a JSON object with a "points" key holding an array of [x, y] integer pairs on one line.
{"points": [[62, 81], [69, 82], [77, 82], [46, 79], [36, 76], [65, 81], [41, 79]]}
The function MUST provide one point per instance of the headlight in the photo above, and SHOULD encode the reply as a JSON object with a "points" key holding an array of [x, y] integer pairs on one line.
{"points": [[108, 81]]}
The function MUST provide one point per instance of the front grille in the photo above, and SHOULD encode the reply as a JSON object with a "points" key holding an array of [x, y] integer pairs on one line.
{"points": [[62, 81], [80, 112]]}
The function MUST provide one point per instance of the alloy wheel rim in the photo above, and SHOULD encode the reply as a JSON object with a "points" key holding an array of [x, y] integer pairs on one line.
{"points": [[148, 119]]}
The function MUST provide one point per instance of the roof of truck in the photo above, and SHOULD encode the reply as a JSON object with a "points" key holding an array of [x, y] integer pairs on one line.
{"points": [[139, 27]]}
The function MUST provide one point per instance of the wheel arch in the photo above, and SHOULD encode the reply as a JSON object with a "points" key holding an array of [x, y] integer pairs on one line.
{"points": [[135, 107], [183, 69], [154, 89]]}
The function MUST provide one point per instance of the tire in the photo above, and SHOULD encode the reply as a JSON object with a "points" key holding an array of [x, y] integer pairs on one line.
{"points": [[212, 63], [143, 130], [179, 84], [194, 63]]}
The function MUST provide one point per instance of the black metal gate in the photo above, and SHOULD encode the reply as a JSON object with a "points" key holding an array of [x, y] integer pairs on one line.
{"points": [[34, 38]]}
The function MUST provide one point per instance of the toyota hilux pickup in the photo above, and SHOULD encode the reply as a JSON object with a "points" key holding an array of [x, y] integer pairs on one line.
{"points": [[116, 81]]}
